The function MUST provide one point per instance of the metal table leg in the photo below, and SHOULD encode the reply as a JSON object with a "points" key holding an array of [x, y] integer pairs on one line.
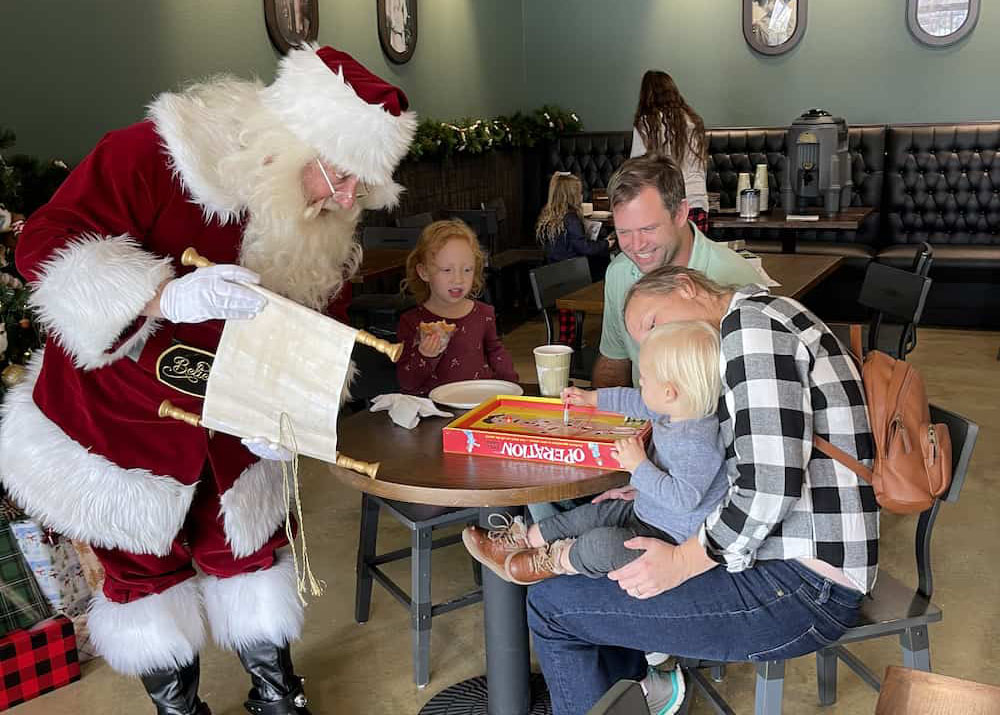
{"points": [[508, 687]]}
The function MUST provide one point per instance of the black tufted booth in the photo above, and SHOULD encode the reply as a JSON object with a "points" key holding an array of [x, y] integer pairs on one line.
{"points": [[938, 183]]}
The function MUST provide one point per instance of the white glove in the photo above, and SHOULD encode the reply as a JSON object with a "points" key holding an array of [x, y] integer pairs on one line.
{"points": [[211, 294], [266, 449]]}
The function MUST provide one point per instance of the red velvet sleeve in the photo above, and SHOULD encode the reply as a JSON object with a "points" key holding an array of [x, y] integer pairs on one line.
{"points": [[497, 356], [107, 194], [413, 369]]}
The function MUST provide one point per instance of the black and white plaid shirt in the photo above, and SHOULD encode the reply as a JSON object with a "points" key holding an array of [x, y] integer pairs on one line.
{"points": [[786, 377]]}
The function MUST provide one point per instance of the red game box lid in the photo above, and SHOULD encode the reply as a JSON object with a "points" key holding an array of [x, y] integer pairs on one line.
{"points": [[532, 429]]}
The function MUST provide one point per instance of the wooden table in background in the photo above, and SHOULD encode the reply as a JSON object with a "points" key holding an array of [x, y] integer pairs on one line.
{"points": [[377, 262], [847, 220], [415, 469], [796, 272]]}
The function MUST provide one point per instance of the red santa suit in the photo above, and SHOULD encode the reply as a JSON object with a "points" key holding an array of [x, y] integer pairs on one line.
{"points": [[81, 445]]}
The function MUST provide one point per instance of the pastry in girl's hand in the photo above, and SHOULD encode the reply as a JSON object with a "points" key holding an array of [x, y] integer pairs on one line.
{"points": [[442, 327]]}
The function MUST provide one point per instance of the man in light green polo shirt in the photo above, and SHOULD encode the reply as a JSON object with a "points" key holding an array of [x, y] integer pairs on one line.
{"points": [[647, 200]]}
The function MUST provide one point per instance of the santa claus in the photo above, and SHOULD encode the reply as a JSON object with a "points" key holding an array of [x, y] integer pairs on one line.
{"points": [[268, 182]]}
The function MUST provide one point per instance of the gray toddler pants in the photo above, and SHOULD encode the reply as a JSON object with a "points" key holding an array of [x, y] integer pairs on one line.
{"points": [[601, 531]]}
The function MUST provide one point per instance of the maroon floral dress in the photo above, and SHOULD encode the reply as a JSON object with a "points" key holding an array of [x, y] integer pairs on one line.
{"points": [[473, 353]]}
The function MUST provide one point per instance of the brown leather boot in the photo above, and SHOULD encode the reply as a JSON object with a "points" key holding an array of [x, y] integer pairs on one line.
{"points": [[491, 548], [529, 567]]}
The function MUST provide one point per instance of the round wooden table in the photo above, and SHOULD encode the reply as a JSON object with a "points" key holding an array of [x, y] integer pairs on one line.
{"points": [[415, 469]]}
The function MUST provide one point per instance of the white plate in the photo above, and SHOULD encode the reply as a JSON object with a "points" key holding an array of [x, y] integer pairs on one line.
{"points": [[467, 394], [599, 215]]}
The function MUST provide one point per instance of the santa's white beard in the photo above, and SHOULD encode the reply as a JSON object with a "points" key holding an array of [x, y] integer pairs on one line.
{"points": [[303, 258], [306, 260]]}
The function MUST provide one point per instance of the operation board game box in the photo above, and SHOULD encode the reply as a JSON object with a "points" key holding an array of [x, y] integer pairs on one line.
{"points": [[532, 429]]}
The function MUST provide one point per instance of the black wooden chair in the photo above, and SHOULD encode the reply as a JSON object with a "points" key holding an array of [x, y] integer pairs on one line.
{"points": [[404, 237], [420, 220], [551, 282], [485, 223], [421, 520], [378, 312], [896, 299], [893, 609]]}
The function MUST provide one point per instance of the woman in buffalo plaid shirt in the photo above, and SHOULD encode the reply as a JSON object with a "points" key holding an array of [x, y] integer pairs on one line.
{"points": [[780, 567]]}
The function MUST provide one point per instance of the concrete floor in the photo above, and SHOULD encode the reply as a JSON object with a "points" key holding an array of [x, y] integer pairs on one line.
{"points": [[367, 669]]}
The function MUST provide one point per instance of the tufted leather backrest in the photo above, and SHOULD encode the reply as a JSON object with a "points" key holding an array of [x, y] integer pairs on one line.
{"points": [[736, 150], [739, 149], [594, 157], [943, 184]]}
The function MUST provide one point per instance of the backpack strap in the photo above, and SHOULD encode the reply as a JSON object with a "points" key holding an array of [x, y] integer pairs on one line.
{"points": [[855, 340], [844, 458]]}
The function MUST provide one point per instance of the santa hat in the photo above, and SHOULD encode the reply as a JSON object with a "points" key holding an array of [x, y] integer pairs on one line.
{"points": [[355, 120]]}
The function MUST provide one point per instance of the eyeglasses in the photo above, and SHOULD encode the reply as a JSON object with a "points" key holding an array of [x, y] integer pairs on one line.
{"points": [[361, 189]]}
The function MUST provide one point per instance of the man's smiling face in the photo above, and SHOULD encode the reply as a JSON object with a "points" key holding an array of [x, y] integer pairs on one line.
{"points": [[646, 231]]}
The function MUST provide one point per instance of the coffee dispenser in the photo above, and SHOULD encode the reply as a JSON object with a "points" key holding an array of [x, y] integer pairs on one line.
{"points": [[819, 164]]}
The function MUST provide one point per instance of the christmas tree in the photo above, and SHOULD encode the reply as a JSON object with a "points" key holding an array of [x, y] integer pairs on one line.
{"points": [[25, 184]]}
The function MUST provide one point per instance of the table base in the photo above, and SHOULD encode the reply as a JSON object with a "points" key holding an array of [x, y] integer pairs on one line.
{"points": [[469, 698]]}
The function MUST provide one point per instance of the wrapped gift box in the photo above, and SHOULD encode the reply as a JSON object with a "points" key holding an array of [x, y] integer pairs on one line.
{"points": [[21, 602], [37, 660], [56, 567]]}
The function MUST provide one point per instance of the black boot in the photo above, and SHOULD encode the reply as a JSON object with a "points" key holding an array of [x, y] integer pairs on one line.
{"points": [[276, 690], [174, 691]]}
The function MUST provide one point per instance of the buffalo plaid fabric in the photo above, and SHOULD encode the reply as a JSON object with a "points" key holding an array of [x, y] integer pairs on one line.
{"points": [[785, 377], [567, 327], [37, 660], [22, 603], [699, 217]]}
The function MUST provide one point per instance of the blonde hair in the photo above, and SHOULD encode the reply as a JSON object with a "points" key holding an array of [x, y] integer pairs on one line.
{"points": [[432, 239], [686, 354], [565, 195], [667, 279]]}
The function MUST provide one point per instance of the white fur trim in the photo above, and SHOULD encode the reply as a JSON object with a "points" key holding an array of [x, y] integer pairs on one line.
{"points": [[385, 196], [93, 289], [253, 508], [325, 112], [164, 630], [200, 126], [254, 608], [80, 494]]}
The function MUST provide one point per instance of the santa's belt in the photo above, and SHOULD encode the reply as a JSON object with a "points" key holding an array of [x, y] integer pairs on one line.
{"points": [[175, 363]]}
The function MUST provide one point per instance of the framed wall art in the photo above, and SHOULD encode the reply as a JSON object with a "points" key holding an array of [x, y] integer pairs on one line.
{"points": [[397, 28], [939, 23], [773, 27], [291, 22]]}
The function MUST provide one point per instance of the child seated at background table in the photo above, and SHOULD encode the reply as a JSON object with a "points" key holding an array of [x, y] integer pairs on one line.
{"points": [[671, 491], [564, 232], [450, 336], [562, 229]]}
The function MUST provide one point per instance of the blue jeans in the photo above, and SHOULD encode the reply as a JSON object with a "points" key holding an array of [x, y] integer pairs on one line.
{"points": [[588, 634]]}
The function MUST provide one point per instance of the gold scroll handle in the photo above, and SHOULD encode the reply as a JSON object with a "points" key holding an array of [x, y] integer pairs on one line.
{"points": [[169, 409], [191, 257]]}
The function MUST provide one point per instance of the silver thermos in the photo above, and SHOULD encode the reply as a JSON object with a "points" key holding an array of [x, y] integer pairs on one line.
{"points": [[749, 203]]}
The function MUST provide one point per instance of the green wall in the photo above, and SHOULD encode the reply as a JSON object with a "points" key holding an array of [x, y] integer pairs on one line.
{"points": [[857, 60], [71, 70]]}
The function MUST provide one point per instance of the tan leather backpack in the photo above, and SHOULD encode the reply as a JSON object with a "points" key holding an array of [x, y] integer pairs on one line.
{"points": [[912, 464]]}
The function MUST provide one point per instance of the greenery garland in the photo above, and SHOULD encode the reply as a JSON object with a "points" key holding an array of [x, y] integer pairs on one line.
{"points": [[477, 136]]}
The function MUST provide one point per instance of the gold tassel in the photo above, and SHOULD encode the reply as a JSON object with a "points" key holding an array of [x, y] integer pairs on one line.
{"points": [[304, 574]]}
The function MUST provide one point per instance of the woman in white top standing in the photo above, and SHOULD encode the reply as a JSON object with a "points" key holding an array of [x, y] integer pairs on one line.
{"points": [[665, 124]]}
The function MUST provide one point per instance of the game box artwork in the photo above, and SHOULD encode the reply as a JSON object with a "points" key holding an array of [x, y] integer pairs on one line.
{"points": [[532, 428]]}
